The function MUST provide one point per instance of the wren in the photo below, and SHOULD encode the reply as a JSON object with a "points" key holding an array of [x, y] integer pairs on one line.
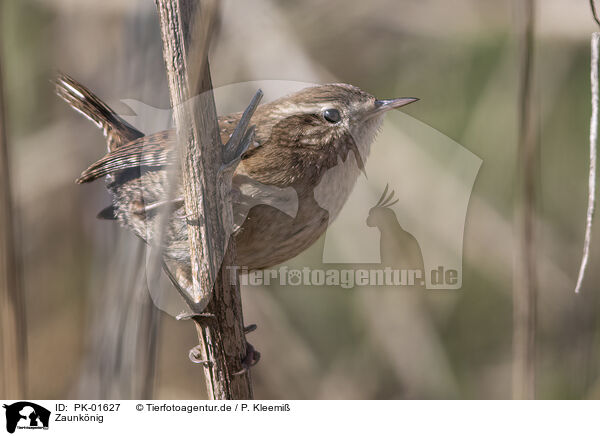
{"points": [[303, 141]]}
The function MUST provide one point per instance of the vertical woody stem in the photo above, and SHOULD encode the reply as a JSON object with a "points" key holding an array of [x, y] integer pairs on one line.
{"points": [[185, 29]]}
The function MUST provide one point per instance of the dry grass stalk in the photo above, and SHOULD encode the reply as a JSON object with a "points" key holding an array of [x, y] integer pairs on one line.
{"points": [[525, 267], [13, 338]]}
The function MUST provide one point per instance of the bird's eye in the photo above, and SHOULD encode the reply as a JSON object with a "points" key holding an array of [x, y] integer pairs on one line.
{"points": [[332, 115]]}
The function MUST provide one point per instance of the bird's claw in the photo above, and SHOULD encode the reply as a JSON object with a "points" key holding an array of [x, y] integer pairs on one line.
{"points": [[232, 159], [242, 136]]}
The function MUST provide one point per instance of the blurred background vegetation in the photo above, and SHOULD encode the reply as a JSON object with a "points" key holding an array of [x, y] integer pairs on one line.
{"points": [[461, 59]]}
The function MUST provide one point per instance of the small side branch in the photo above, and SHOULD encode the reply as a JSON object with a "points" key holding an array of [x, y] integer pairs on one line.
{"points": [[594, 12]]}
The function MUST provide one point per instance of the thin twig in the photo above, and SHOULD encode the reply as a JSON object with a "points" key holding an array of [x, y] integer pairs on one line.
{"points": [[594, 13], [593, 153]]}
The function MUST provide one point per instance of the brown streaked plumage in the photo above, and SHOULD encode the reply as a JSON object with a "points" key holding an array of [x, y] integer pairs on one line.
{"points": [[304, 143]]}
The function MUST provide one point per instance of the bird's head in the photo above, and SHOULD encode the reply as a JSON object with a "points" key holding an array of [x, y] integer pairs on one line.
{"points": [[303, 134]]}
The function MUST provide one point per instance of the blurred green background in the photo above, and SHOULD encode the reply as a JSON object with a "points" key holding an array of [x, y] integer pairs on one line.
{"points": [[461, 58]]}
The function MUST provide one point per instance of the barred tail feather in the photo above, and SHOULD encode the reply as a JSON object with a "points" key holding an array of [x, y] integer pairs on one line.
{"points": [[117, 131]]}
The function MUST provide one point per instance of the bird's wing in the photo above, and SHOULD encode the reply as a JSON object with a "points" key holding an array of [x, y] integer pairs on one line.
{"points": [[154, 150]]}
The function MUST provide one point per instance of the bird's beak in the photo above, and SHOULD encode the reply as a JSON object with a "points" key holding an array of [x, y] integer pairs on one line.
{"points": [[395, 103], [382, 106]]}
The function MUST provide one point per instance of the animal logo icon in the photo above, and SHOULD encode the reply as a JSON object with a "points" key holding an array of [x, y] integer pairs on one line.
{"points": [[26, 415], [399, 248]]}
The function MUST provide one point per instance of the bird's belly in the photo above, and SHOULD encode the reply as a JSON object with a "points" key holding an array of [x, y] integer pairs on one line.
{"points": [[269, 237]]}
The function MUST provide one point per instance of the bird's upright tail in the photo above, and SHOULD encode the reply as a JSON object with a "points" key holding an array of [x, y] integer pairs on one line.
{"points": [[116, 130]]}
